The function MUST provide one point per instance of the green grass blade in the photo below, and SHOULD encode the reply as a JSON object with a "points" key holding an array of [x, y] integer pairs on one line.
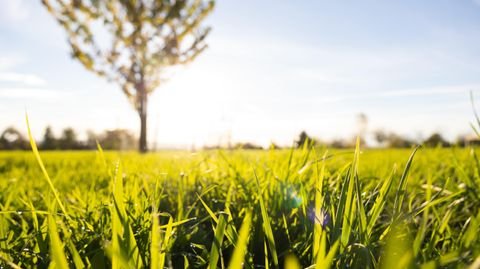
{"points": [[362, 217], [348, 215], [327, 262], [209, 211], [176, 223], [217, 242], [230, 231], [398, 251], [322, 252], [401, 190], [318, 218], [471, 233], [101, 155], [44, 171], [238, 257], [56, 246], [420, 236], [123, 241], [265, 251], [77, 260], [166, 242], [380, 202], [156, 243], [266, 225]]}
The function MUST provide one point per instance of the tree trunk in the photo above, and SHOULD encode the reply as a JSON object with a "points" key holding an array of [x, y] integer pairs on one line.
{"points": [[142, 146]]}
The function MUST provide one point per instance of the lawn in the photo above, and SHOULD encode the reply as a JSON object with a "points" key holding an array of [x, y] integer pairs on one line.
{"points": [[263, 209]]}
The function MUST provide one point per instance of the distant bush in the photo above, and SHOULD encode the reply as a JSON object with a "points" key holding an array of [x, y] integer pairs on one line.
{"points": [[247, 146], [392, 140], [117, 139], [12, 139], [435, 140]]}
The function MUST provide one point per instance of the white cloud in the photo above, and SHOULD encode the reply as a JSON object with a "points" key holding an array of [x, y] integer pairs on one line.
{"points": [[24, 79], [12, 11]]}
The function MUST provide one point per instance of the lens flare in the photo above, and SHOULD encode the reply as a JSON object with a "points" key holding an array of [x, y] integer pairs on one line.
{"points": [[292, 198], [322, 217]]}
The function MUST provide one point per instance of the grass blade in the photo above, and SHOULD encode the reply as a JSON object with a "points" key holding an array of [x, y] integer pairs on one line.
{"points": [[347, 207], [42, 167], [401, 190], [156, 243], [380, 202], [327, 262], [266, 225], [166, 242], [238, 257], [318, 215], [217, 242], [123, 239], [56, 246]]}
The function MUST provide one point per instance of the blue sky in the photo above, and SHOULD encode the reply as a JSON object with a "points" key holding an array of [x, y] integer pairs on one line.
{"points": [[273, 68]]}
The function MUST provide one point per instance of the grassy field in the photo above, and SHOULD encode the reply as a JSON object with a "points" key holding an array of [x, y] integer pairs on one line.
{"points": [[260, 209]]}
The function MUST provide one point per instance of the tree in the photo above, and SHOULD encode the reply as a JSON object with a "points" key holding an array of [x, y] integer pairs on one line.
{"points": [[436, 139], [303, 138], [392, 140], [339, 143], [49, 142], [118, 139], [91, 142], [69, 139], [12, 139], [380, 136], [397, 141], [146, 37]]}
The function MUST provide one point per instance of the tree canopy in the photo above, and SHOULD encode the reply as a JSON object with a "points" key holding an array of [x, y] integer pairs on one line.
{"points": [[132, 42]]}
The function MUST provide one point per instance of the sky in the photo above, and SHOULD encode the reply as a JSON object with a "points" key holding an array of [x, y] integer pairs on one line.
{"points": [[272, 69]]}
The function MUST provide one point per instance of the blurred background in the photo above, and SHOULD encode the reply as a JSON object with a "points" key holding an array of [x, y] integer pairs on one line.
{"points": [[398, 71]]}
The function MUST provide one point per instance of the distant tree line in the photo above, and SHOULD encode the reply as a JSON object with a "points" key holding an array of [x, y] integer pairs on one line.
{"points": [[118, 139], [382, 138], [390, 140], [121, 139]]}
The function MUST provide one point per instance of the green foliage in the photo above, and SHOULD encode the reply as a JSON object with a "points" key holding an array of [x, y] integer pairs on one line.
{"points": [[49, 141], [305, 140], [12, 139], [284, 208], [435, 140]]}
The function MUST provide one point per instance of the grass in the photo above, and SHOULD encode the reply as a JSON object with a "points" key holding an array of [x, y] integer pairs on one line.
{"points": [[305, 208]]}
